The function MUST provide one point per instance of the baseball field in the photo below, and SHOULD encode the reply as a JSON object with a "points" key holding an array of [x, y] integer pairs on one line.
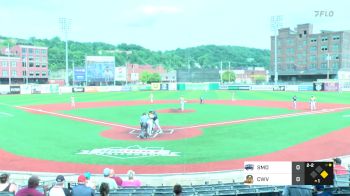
{"points": [[43, 132]]}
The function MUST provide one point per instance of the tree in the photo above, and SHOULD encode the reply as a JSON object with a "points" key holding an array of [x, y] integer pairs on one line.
{"points": [[155, 77], [228, 76], [145, 77], [259, 79]]}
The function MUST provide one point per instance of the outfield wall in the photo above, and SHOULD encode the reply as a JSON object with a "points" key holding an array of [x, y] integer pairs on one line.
{"points": [[55, 88]]}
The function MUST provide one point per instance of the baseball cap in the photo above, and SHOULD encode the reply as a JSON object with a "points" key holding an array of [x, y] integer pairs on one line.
{"points": [[60, 178], [106, 172], [81, 178], [87, 175]]}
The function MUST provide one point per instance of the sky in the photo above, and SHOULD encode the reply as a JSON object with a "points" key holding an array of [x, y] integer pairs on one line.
{"points": [[168, 24]]}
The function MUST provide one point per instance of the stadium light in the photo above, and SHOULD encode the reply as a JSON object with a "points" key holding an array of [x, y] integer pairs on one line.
{"points": [[65, 25], [276, 23]]}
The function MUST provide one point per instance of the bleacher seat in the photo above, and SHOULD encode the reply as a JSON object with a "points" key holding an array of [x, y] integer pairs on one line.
{"points": [[203, 188], [206, 193], [227, 192]]}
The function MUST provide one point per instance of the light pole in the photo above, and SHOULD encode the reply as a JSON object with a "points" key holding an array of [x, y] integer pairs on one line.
{"points": [[276, 23], [328, 59], [9, 62], [65, 25]]}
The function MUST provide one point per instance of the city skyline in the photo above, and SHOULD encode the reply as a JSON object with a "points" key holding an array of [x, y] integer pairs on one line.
{"points": [[167, 24]]}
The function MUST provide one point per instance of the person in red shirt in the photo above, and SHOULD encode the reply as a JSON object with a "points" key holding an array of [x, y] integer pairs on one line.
{"points": [[338, 168], [117, 179]]}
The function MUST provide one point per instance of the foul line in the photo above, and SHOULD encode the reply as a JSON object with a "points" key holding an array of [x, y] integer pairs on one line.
{"points": [[75, 117], [263, 118], [194, 126], [6, 114]]}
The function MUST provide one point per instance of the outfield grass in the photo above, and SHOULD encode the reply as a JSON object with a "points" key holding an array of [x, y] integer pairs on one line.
{"points": [[53, 138]]}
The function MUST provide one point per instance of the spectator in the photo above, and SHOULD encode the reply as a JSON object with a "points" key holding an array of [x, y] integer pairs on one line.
{"points": [[5, 185], [131, 182], [89, 182], [81, 189], [117, 179], [341, 174], [104, 189], [111, 182], [300, 190], [33, 183], [321, 192], [58, 189], [177, 190]]}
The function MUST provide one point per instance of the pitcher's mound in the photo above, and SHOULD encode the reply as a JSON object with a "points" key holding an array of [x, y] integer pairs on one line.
{"points": [[175, 110]]}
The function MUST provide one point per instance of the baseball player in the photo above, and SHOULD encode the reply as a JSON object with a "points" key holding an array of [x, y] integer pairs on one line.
{"points": [[182, 103], [313, 103], [151, 97], [150, 122], [156, 121], [294, 102], [143, 125]]}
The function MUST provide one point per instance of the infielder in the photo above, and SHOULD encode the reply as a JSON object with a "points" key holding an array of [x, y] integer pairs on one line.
{"points": [[182, 103], [294, 102], [313, 103]]}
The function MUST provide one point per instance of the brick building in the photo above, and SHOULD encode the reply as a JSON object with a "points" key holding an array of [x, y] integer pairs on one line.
{"points": [[24, 63], [306, 56]]}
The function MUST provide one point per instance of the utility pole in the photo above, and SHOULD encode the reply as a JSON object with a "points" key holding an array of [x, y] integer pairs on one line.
{"points": [[65, 25], [276, 23], [221, 71], [229, 72]]}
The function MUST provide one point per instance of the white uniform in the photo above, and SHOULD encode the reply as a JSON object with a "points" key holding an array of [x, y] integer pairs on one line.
{"points": [[182, 103], [151, 97], [72, 102], [313, 103], [150, 124]]}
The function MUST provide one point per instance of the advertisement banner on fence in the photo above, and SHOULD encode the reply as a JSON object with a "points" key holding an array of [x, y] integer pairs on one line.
{"points": [[4, 89], [78, 89], [164, 87], [262, 87], [91, 89], [172, 86], [26, 89], [155, 86], [279, 88], [79, 74], [318, 86], [238, 87], [15, 89], [331, 86], [45, 88], [305, 88], [64, 89], [126, 88], [292, 87], [345, 86], [54, 88], [108, 88], [36, 89], [196, 86], [145, 87]]}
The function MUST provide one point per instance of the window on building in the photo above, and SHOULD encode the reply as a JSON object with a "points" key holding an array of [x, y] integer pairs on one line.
{"points": [[335, 65], [31, 64], [290, 50], [313, 58], [305, 32], [43, 74], [43, 51], [44, 59], [324, 38], [4, 64], [43, 65], [30, 50], [335, 47], [37, 51], [13, 63], [290, 59], [24, 50], [313, 48], [323, 65], [312, 66], [37, 63], [31, 74], [313, 40], [37, 74], [290, 41], [14, 73], [335, 57], [24, 73], [24, 64], [4, 73], [324, 48], [300, 35], [336, 37], [304, 42], [31, 58]]}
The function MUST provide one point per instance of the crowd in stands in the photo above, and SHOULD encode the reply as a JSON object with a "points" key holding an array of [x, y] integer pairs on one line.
{"points": [[110, 183]]}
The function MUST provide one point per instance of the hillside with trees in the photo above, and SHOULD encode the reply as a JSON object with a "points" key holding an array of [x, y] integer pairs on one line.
{"points": [[207, 56]]}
